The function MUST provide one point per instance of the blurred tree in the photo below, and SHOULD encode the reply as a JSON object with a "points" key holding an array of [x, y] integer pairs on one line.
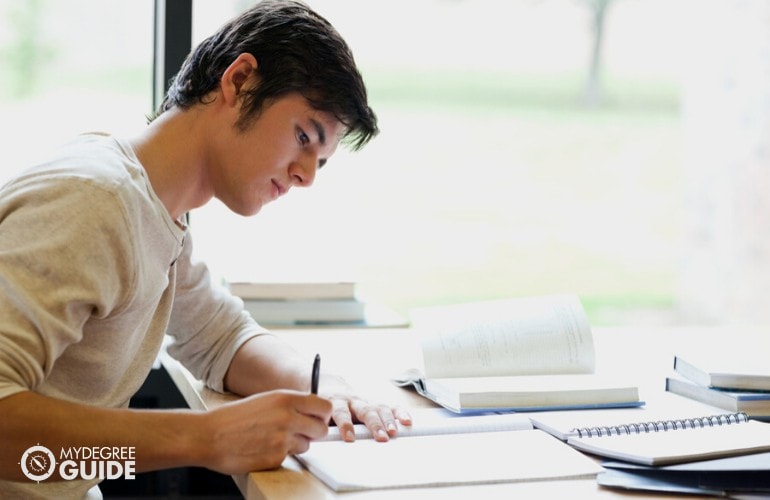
{"points": [[26, 53], [593, 92], [593, 89]]}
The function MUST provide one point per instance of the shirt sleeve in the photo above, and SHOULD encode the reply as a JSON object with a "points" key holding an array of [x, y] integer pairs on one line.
{"points": [[208, 324], [58, 246]]}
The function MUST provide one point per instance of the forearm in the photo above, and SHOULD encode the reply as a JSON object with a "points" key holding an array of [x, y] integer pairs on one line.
{"points": [[265, 363], [160, 439]]}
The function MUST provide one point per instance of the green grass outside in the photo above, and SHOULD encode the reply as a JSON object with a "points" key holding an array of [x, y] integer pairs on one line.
{"points": [[623, 155], [559, 164]]}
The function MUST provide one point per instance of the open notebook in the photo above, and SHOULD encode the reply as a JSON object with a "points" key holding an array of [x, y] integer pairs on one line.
{"points": [[461, 450]]}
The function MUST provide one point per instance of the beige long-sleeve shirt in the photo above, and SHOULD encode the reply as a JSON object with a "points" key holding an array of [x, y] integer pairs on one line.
{"points": [[93, 273]]}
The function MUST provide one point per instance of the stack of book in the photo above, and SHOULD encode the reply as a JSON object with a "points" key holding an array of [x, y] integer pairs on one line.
{"points": [[310, 303], [297, 303], [740, 385]]}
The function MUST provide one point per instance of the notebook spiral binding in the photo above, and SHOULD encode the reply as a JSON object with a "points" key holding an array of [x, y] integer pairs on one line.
{"points": [[662, 425]]}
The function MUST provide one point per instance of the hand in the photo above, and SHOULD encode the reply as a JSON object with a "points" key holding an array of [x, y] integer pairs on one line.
{"points": [[258, 432], [381, 420]]}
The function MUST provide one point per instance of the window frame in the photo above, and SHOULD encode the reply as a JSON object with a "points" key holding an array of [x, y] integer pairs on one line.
{"points": [[172, 43]]}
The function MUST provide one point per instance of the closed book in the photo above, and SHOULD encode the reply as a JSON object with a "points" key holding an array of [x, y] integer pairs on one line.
{"points": [[732, 477], [293, 290], [754, 403], [298, 312]]}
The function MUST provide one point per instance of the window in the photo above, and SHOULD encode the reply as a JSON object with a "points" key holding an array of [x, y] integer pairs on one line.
{"points": [[68, 68], [491, 177], [496, 173]]}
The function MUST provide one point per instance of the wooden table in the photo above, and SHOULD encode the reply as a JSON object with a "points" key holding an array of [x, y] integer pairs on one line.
{"points": [[367, 358]]}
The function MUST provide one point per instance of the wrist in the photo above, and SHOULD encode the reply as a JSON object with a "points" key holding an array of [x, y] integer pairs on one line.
{"points": [[174, 438], [196, 444]]}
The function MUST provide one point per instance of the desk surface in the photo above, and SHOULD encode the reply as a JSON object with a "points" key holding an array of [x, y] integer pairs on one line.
{"points": [[368, 358]]}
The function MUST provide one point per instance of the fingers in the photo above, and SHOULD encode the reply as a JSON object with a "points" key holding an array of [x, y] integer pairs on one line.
{"points": [[403, 416], [258, 432], [317, 408], [381, 420], [343, 419], [388, 420]]}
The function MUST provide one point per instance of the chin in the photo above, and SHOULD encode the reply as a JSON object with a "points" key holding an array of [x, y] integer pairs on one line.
{"points": [[250, 212], [244, 210]]}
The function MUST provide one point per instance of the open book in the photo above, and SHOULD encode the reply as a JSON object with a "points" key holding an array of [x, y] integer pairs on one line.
{"points": [[443, 450], [520, 354], [742, 371], [646, 439]]}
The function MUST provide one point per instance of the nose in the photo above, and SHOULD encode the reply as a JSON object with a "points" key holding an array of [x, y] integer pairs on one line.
{"points": [[302, 172]]}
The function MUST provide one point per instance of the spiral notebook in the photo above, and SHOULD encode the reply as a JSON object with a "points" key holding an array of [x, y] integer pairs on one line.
{"points": [[664, 441]]}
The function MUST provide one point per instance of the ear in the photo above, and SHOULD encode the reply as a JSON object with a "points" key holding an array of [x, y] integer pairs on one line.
{"points": [[241, 74]]}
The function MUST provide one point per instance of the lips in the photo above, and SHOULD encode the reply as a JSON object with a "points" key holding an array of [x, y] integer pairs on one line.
{"points": [[278, 189]]}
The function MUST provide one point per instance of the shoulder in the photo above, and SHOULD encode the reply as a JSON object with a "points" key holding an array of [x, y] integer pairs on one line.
{"points": [[93, 170], [95, 158]]}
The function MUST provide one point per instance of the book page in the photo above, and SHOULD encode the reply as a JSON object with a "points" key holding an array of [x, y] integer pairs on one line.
{"points": [[433, 421], [521, 392], [746, 368], [443, 460], [527, 336]]}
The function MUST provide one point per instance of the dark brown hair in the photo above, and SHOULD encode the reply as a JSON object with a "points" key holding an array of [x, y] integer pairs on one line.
{"points": [[297, 50]]}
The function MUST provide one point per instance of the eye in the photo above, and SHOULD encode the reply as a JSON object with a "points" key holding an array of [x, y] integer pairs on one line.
{"points": [[302, 138]]}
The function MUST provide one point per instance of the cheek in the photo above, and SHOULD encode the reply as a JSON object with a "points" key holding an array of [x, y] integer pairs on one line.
{"points": [[268, 150]]}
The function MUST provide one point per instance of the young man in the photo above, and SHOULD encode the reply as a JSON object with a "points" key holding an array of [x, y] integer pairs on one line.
{"points": [[96, 267]]}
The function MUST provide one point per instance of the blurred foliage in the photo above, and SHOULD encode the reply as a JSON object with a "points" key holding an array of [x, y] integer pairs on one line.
{"points": [[26, 53]]}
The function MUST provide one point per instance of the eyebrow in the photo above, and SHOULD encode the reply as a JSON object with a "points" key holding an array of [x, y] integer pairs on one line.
{"points": [[319, 130]]}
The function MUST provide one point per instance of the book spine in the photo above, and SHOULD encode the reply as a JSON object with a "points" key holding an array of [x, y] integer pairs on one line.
{"points": [[661, 425]]}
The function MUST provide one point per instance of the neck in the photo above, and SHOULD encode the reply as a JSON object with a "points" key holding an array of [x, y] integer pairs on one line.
{"points": [[172, 152]]}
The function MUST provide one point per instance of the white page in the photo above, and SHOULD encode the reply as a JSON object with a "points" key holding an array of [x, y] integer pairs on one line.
{"points": [[745, 367], [526, 336], [450, 459], [431, 421]]}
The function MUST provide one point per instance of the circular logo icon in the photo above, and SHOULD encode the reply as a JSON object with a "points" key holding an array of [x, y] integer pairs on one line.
{"points": [[38, 463]]}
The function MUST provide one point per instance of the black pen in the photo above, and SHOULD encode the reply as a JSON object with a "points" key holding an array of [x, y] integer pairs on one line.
{"points": [[316, 374]]}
